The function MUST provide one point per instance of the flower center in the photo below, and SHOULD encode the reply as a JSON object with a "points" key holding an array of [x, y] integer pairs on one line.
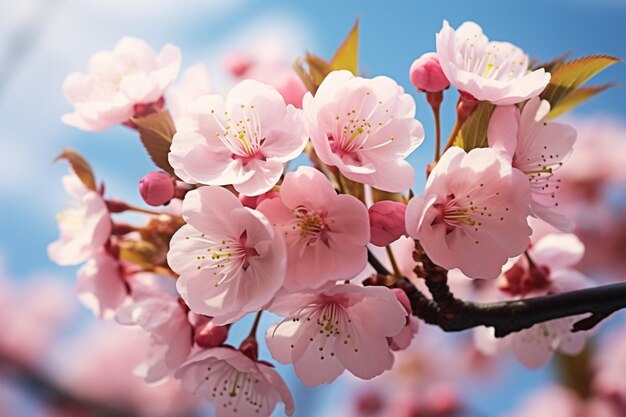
{"points": [[309, 225], [241, 134], [229, 386], [226, 258]]}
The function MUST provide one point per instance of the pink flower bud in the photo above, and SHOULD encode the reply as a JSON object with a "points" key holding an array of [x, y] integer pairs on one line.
{"points": [[207, 334], [386, 222], [157, 188], [426, 74]]}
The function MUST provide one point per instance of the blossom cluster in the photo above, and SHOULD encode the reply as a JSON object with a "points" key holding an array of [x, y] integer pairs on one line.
{"points": [[240, 233]]}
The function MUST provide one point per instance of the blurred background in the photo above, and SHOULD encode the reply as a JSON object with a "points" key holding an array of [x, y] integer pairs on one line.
{"points": [[70, 364]]}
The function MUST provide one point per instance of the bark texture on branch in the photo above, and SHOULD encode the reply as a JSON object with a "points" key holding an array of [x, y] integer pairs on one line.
{"points": [[506, 317]]}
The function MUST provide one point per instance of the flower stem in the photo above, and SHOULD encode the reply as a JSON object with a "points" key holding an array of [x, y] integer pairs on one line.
{"points": [[394, 264], [453, 135], [437, 133], [255, 325]]}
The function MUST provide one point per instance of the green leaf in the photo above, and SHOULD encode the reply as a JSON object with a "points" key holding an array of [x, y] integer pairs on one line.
{"points": [[312, 69], [473, 133], [79, 166], [576, 98], [156, 131], [570, 75], [347, 56], [552, 65]]}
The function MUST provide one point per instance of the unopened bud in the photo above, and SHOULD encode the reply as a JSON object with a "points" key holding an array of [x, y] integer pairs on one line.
{"points": [[386, 222], [426, 74], [253, 202], [208, 335], [157, 188]]}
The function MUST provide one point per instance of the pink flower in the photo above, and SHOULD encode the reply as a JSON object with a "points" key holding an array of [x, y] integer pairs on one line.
{"points": [[326, 234], [194, 83], [345, 327], [156, 310], [119, 83], [550, 273], [230, 260], [403, 339], [366, 128], [101, 286], [244, 140], [472, 215], [386, 222], [489, 71], [84, 229], [238, 385], [536, 148], [426, 74]]}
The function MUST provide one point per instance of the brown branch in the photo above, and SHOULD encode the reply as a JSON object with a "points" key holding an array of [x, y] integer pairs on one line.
{"points": [[44, 388], [452, 314]]}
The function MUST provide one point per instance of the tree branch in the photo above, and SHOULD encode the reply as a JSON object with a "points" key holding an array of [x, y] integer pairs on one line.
{"points": [[452, 314]]}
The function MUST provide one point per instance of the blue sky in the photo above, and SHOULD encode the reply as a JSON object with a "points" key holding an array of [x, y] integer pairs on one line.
{"points": [[42, 41]]}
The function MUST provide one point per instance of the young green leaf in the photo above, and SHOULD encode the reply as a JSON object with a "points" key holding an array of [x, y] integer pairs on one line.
{"points": [[571, 75], [80, 166], [576, 98], [473, 133], [347, 56], [156, 131]]}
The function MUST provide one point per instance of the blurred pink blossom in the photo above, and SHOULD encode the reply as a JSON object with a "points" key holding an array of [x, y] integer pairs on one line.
{"points": [[386, 222], [119, 83], [155, 308], [83, 229]]}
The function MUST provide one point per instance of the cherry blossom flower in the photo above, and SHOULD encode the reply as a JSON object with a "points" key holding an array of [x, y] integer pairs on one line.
{"points": [[238, 385], [83, 229], [538, 149], [156, 310], [366, 128], [345, 327], [488, 71], [326, 234], [230, 260], [244, 140], [101, 286], [120, 84], [472, 215]]}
